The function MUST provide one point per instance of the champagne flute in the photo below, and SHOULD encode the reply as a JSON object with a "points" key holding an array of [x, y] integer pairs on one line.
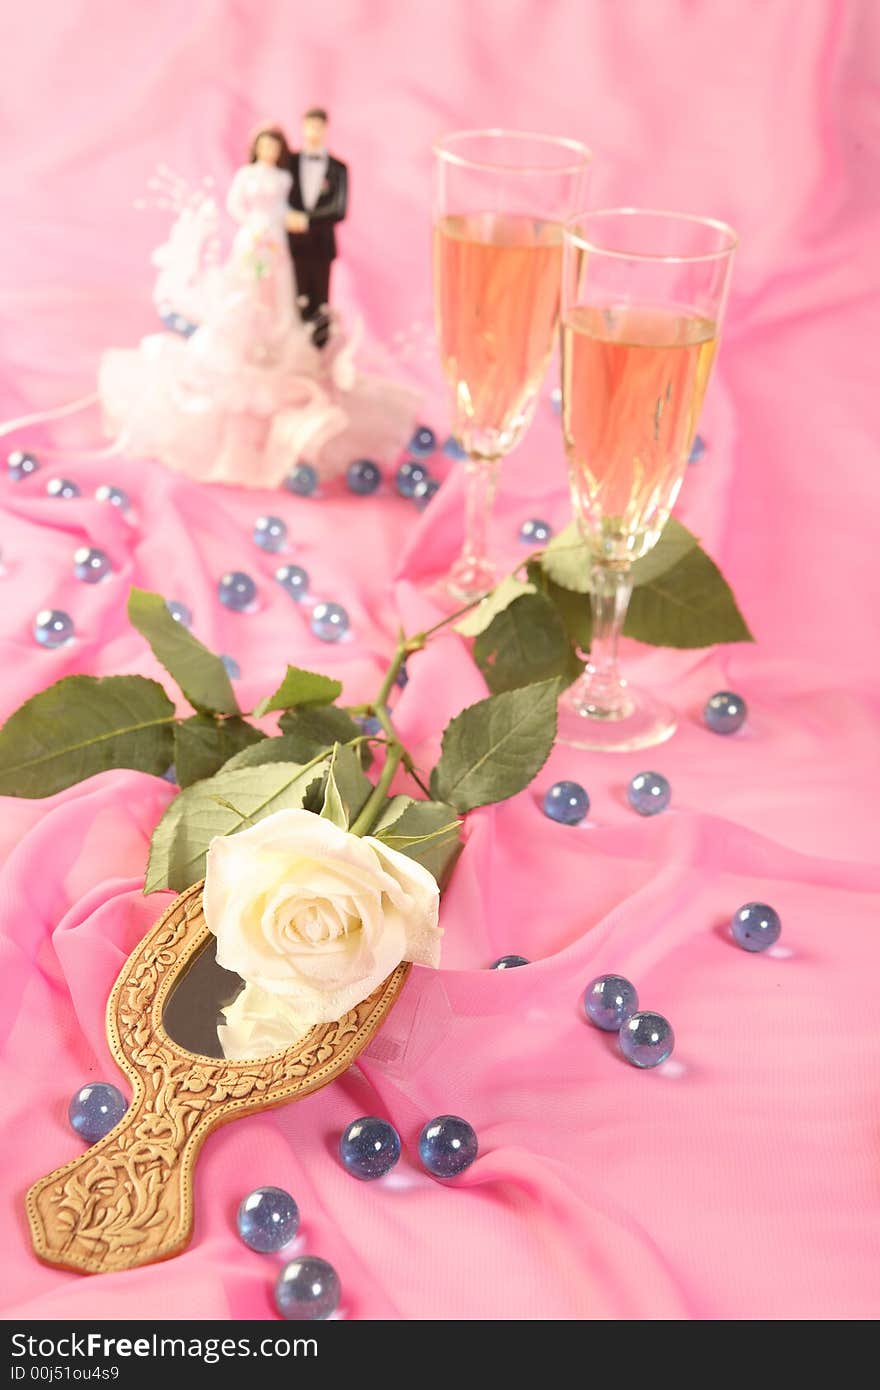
{"points": [[643, 296], [500, 201]]}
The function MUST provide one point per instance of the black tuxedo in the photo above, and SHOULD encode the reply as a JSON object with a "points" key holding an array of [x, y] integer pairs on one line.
{"points": [[314, 251]]}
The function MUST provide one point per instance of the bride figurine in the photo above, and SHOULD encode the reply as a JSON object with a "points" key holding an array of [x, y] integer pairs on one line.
{"points": [[237, 392]]}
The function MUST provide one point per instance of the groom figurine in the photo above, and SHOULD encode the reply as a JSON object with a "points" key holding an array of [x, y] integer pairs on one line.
{"points": [[318, 196]]}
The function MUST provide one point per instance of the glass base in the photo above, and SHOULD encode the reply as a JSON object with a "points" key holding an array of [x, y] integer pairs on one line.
{"points": [[633, 719], [470, 579]]}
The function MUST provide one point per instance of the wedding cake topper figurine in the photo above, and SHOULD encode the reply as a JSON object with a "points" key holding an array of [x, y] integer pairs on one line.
{"points": [[319, 197]]}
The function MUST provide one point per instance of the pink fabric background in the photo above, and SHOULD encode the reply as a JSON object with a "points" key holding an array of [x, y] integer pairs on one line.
{"points": [[741, 1179]]}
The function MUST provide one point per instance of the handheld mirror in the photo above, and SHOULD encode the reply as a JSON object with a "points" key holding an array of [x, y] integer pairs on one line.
{"points": [[128, 1200]]}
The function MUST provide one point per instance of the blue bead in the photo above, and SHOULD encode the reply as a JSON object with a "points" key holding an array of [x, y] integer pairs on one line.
{"points": [[370, 725], [303, 481], [402, 677], [423, 442], [329, 621], [447, 1145], [369, 1148], [63, 488], [725, 712], [698, 449], [408, 475], [114, 495], [535, 532], [756, 926], [646, 1039], [179, 612], [649, 793], [293, 580], [567, 803], [178, 324], [609, 1001], [20, 464], [270, 533], [268, 1219], [170, 775], [232, 668], [424, 491], [307, 1290], [53, 628], [91, 565], [363, 477], [453, 450], [508, 962], [236, 590], [556, 400], [95, 1109]]}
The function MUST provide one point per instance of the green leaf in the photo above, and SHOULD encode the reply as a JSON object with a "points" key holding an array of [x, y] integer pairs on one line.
{"points": [[494, 748], [312, 730], [675, 542], [565, 560], [575, 610], [332, 808], [427, 831], [270, 750], [203, 745], [479, 618], [200, 674], [220, 805], [298, 689], [524, 644], [352, 782], [81, 726], [690, 605]]}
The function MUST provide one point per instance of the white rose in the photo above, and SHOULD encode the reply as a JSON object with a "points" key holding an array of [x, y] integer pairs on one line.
{"points": [[313, 919]]}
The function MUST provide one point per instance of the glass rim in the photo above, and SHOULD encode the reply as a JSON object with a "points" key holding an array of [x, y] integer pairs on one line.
{"points": [[442, 151], [572, 233]]}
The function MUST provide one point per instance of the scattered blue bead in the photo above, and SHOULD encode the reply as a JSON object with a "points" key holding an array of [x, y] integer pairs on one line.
{"points": [[95, 1109], [369, 1148], [408, 475], [370, 724], [307, 1290], [91, 565], [53, 628], [423, 442], [236, 591], [646, 1039], [567, 803], [177, 323], [698, 449], [20, 464], [508, 962], [447, 1145], [756, 926], [535, 532], [270, 533], [363, 477], [609, 1001], [402, 677], [424, 491], [179, 612], [293, 580], [114, 495], [725, 712], [329, 621], [556, 400], [170, 775], [232, 668], [268, 1219], [63, 488], [453, 450], [649, 793], [303, 481]]}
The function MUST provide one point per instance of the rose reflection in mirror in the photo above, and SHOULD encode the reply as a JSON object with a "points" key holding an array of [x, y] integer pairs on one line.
{"points": [[194, 1009]]}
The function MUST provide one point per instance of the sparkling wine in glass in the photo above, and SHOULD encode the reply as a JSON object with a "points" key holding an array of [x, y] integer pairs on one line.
{"points": [[501, 199], [643, 295]]}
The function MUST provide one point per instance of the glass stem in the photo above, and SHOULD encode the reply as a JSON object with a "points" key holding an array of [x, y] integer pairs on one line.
{"points": [[481, 478], [601, 693]]}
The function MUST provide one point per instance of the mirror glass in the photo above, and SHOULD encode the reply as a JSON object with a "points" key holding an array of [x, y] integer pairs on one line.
{"points": [[193, 1009]]}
